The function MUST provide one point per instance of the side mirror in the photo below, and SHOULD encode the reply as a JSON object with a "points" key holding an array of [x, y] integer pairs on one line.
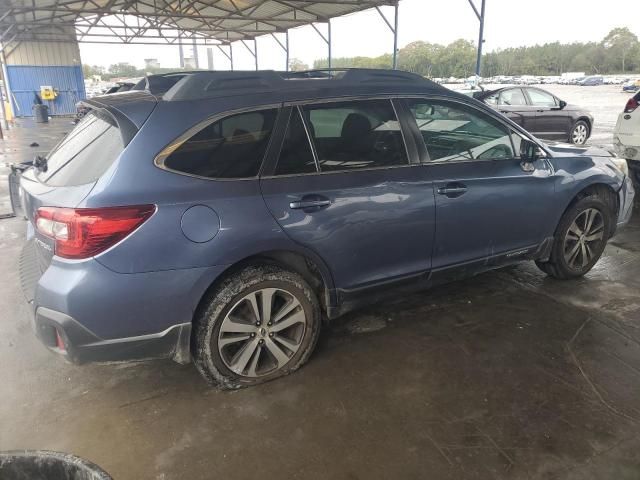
{"points": [[562, 104], [529, 154]]}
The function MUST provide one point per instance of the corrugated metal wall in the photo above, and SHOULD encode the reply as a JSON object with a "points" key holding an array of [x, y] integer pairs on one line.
{"points": [[26, 79], [31, 65], [43, 53]]}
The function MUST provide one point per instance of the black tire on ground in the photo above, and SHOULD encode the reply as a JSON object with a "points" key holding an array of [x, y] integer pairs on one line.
{"points": [[209, 359], [558, 266], [575, 137]]}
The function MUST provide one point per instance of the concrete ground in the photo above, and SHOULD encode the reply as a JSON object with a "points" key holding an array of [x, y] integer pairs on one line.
{"points": [[508, 375]]}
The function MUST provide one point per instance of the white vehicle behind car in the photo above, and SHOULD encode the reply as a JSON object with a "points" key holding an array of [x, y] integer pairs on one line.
{"points": [[626, 136]]}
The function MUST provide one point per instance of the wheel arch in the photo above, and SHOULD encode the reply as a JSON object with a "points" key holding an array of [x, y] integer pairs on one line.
{"points": [[307, 265], [601, 189]]}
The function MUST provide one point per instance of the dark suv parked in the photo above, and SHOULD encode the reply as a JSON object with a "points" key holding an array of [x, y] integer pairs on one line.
{"points": [[228, 218]]}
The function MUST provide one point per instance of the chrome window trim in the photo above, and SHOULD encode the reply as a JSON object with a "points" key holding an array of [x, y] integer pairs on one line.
{"points": [[312, 145], [174, 144], [159, 159]]}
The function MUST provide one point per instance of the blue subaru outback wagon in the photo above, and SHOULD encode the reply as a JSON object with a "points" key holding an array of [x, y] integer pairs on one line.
{"points": [[222, 220]]}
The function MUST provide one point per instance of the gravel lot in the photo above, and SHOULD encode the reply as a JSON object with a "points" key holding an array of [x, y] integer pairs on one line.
{"points": [[604, 102]]}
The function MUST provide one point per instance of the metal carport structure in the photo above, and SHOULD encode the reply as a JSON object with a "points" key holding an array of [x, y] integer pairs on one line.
{"points": [[213, 23]]}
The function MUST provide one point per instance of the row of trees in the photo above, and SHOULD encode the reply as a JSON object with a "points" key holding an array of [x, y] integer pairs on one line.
{"points": [[120, 70], [618, 52]]}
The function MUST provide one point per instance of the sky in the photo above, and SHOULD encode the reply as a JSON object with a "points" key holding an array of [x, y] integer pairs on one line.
{"points": [[508, 23]]}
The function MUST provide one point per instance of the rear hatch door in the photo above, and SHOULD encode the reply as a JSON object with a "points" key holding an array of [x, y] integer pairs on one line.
{"points": [[66, 177]]}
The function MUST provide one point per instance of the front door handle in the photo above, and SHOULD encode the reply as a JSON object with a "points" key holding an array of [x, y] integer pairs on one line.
{"points": [[311, 202], [452, 190]]}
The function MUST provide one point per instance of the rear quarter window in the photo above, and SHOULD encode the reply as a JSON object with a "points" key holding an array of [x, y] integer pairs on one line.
{"points": [[232, 147], [85, 153]]}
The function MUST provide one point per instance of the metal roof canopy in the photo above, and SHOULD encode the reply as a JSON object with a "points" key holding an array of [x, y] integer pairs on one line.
{"points": [[215, 23]]}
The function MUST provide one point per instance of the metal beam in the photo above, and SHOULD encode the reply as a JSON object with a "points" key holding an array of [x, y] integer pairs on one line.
{"points": [[327, 39], [480, 14], [395, 38], [159, 13], [329, 42], [254, 52], [394, 29]]}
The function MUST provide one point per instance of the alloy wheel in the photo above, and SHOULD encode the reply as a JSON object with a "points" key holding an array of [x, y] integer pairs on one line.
{"points": [[262, 332], [579, 134], [583, 241]]}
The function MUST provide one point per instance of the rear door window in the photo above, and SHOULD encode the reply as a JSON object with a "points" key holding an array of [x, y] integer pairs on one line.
{"points": [[356, 135], [86, 153], [512, 97], [232, 147]]}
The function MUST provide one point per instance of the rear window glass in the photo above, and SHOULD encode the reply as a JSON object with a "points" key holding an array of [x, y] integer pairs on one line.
{"points": [[85, 153], [229, 148]]}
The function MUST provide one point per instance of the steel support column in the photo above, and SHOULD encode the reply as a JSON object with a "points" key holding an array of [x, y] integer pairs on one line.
{"points": [[210, 58], [195, 54], [394, 30], [480, 15], [228, 55], [254, 52], [327, 39], [284, 46], [395, 37]]}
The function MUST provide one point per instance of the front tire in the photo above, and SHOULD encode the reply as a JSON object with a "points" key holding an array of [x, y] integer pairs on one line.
{"points": [[580, 239], [259, 324], [580, 133]]}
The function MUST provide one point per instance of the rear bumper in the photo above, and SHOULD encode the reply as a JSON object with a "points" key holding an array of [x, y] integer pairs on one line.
{"points": [[63, 335], [101, 315]]}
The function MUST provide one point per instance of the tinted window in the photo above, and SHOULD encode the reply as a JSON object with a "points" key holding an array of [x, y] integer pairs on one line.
{"points": [[352, 135], [296, 156], [491, 99], [540, 98], [229, 148], [513, 96], [454, 132], [86, 153]]}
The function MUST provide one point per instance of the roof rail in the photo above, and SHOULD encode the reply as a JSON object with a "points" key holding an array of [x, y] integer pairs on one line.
{"points": [[356, 74], [208, 83]]}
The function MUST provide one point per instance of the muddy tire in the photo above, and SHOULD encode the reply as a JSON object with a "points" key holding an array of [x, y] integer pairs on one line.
{"points": [[259, 324], [580, 239]]}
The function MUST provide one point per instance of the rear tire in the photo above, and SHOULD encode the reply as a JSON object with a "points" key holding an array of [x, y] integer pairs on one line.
{"points": [[580, 239], [580, 133], [257, 325]]}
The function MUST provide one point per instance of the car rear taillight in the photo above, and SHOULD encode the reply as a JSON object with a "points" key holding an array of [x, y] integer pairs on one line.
{"points": [[85, 232], [631, 105]]}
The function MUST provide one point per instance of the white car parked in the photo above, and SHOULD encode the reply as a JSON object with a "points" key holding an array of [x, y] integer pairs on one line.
{"points": [[626, 136]]}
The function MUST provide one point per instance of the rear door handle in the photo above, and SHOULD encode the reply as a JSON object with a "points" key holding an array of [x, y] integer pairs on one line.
{"points": [[453, 190], [311, 202]]}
